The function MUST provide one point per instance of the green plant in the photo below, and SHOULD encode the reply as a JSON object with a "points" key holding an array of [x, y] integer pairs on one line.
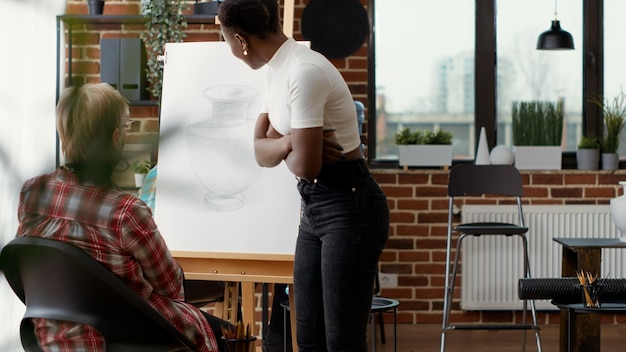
{"points": [[537, 123], [406, 136], [614, 113], [142, 166], [165, 23], [589, 142]]}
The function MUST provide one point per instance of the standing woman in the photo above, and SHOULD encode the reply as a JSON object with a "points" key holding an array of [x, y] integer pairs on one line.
{"points": [[309, 122]]}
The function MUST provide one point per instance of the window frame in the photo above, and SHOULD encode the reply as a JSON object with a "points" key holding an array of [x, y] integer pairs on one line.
{"points": [[486, 81]]}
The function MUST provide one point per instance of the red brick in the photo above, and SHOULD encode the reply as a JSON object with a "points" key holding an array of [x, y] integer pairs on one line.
{"points": [[547, 179], [402, 217], [583, 179], [564, 192], [600, 192], [413, 179], [398, 191]]}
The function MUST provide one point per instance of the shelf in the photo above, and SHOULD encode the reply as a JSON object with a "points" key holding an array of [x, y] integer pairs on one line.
{"points": [[143, 102], [126, 19]]}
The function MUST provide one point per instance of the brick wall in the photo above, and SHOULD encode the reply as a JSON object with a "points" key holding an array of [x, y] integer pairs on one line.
{"points": [[416, 249], [417, 242]]}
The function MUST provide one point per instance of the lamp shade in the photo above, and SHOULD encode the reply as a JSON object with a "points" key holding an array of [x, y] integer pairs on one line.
{"points": [[555, 38]]}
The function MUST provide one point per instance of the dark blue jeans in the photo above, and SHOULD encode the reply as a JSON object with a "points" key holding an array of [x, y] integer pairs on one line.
{"points": [[343, 229]]}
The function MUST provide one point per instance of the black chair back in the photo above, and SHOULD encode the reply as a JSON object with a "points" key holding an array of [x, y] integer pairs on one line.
{"points": [[472, 180], [57, 280]]}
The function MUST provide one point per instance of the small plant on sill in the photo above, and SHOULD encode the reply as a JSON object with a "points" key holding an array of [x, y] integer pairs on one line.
{"points": [[408, 137], [142, 166]]}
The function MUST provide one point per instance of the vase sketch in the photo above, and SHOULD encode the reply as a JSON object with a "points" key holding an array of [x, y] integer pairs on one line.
{"points": [[221, 147], [618, 212]]}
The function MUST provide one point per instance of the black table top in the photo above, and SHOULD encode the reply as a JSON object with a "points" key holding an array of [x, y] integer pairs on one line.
{"points": [[605, 308], [591, 242]]}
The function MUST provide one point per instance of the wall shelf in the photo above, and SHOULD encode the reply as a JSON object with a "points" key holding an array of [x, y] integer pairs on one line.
{"points": [[124, 19]]}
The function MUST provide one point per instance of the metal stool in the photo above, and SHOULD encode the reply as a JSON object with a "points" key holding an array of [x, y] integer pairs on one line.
{"points": [[383, 305], [379, 305]]}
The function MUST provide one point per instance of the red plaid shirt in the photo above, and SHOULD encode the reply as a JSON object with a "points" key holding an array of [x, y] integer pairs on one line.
{"points": [[118, 230]]}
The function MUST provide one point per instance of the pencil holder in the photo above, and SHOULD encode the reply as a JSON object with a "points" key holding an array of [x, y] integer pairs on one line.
{"points": [[239, 345], [592, 294]]}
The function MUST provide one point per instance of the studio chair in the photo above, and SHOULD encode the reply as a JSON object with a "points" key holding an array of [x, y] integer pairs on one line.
{"points": [[57, 280], [470, 180], [381, 305]]}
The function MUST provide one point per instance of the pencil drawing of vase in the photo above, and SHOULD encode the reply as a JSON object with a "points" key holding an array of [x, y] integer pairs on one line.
{"points": [[221, 147]]}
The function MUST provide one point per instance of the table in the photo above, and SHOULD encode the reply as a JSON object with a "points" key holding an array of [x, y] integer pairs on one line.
{"points": [[246, 269], [575, 310], [582, 254]]}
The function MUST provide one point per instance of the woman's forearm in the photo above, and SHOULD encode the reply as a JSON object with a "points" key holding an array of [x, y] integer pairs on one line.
{"points": [[270, 148], [269, 152]]}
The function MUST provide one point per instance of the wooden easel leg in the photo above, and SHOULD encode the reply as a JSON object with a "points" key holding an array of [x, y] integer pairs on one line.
{"points": [[247, 304], [292, 309]]}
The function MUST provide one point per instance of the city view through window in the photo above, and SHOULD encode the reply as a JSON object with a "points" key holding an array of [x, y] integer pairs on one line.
{"points": [[425, 67]]}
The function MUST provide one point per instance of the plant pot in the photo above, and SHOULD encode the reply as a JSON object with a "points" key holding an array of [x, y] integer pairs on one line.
{"points": [[425, 155], [588, 159], [96, 7], [610, 161], [538, 157], [139, 178]]}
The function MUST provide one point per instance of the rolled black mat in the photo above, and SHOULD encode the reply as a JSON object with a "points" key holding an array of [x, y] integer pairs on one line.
{"points": [[567, 289]]}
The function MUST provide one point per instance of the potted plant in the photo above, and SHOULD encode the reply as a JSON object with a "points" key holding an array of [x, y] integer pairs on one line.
{"points": [[95, 7], [588, 153], [614, 113], [141, 169], [165, 23], [428, 148], [537, 132]]}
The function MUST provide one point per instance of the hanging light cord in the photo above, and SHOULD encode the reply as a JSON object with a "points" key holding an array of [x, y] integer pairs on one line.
{"points": [[555, 10]]}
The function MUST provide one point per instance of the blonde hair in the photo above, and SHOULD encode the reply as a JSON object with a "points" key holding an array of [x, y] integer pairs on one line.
{"points": [[86, 117]]}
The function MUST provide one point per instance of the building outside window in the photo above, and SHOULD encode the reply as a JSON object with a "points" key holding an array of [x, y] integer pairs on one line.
{"points": [[426, 69]]}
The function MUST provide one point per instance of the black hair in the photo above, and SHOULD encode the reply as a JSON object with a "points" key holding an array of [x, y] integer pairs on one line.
{"points": [[250, 17]]}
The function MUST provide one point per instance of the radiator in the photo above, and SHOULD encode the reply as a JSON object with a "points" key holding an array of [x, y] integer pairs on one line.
{"points": [[492, 265]]}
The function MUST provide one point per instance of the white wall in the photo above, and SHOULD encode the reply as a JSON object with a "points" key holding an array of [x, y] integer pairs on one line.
{"points": [[27, 129]]}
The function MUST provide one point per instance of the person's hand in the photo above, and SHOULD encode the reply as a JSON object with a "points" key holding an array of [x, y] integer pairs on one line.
{"points": [[332, 151]]}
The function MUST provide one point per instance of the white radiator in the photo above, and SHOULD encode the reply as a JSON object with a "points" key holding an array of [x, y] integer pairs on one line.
{"points": [[492, 265]]}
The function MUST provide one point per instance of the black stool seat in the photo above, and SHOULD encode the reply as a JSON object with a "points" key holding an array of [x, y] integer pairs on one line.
{"points": [[380, 304]]}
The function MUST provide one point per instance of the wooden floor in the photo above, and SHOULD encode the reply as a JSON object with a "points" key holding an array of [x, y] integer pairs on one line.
{"points": [[427, 337]]}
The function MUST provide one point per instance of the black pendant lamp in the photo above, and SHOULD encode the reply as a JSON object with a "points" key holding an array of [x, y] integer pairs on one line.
{"points": [[555, 38]]}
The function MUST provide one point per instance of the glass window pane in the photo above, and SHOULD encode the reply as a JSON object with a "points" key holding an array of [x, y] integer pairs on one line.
{"points": [[524, 73], [615, 55], [424, 71]]}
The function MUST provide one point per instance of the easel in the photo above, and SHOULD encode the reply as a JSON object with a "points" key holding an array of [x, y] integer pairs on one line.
{"points": [[288, 14], [245, 270]]}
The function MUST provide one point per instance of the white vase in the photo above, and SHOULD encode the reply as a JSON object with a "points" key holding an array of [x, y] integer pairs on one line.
{"points": [[618, 212], [482, 152]]}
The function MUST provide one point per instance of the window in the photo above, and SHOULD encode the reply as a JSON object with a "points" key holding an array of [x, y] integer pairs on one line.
{"points": [[424, 71], [615, 55], [524, 73], [434, 67]]}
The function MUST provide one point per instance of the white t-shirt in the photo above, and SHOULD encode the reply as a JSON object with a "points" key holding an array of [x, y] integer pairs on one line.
{"points": [[305, 90]]}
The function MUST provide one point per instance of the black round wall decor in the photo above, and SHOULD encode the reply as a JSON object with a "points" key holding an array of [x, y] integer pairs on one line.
{"points": [[335, 28]]}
